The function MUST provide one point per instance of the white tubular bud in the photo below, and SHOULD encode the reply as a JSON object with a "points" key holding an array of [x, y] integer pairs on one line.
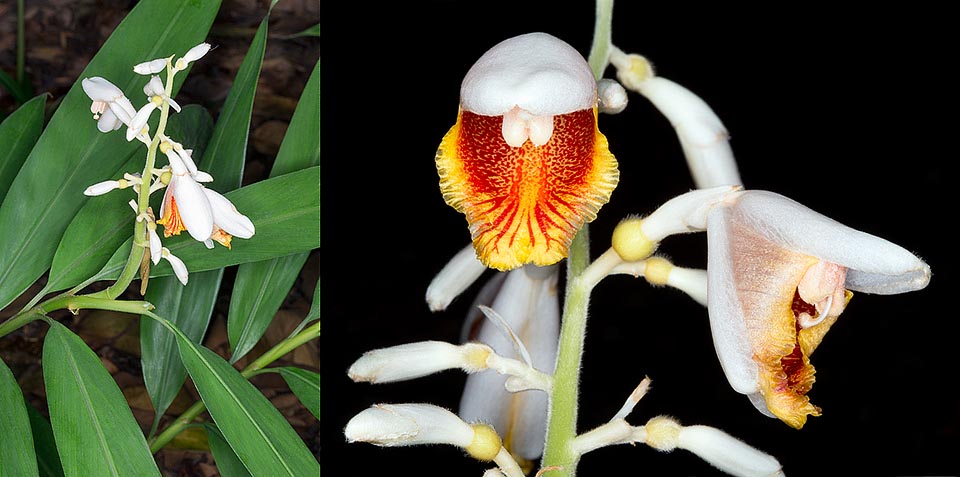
{"points": [[414, 360], [101, 188], [455, 277], [197, 52], [612, 98], [393, 425], [150, 67], [728, 453]]}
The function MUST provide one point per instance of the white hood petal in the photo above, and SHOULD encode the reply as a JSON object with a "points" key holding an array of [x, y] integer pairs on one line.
{"points": [[193, 206], [226, 216]]}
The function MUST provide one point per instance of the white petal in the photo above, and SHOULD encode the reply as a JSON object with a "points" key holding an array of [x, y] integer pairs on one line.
{"points": [[728, 453], [150, 67], [541, 128], [140, 120], [123, 109], [186, 155], [99, 89], [455, 277], [408, 424], [156, 248], [179, 268], [226, 216], [727, 323], [201, 176], [101, 188], [193, 206], [536, 71], [611, 97], [197, 52], [177, 167], [173, 104], [154, 87], [108, 121], [874, 265], [702, 135], [414, 360]]}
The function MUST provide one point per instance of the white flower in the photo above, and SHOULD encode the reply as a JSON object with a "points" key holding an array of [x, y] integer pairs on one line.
{"points": [[526, 299], [227, 221], [101, 188], [156, 96], [185, 205], [455, 277], [158, 251], [414, 360], [110, 107], [778, 278], [192, 55]]}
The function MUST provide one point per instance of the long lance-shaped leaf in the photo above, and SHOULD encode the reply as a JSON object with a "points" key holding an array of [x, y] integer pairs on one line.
{"points": [[95, 430], [71, 154], [261, 437], [227, 461], [18, 134], [48, 461], [305, 384], [190, 308], [260, 287], [223, 158], [285, 210], [17, 457]]}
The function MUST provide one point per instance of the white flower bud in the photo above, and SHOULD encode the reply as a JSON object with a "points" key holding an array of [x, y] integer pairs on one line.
{"points": [[413, 360], [197, 52], [728, 453], [150, 67], [101, 188], [408, 424]]}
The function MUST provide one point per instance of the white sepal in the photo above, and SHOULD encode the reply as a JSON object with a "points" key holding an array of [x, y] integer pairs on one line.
{"points": [[140, 120], [226, 216]]}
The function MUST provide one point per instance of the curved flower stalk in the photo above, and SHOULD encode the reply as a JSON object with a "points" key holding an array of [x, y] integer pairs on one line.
{"points": [[525, 161], [527, 302], [779, 275]]}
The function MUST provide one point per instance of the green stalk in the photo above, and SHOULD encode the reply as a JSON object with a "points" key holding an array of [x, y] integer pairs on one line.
{"points": [[74, 304], [562, 426], [275, 353]]}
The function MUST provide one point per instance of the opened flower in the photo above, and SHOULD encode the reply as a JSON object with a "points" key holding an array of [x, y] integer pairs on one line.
{"points": [[525, 161], [110, 107], [779, 275]]}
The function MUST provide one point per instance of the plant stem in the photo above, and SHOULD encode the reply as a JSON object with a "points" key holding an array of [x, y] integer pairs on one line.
{"points": [[275, 353], [74, 304], [562, 425]]}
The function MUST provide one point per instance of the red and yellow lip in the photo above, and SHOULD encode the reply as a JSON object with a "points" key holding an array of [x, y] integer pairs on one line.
{"points": [[525, 204]]}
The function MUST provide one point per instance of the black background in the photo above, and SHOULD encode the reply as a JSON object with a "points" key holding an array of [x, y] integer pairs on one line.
{"points": [[850, 113]]}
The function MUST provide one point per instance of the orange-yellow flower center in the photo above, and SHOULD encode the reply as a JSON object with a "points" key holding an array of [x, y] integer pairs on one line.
{"points": [[220, 236], [171, 221], [525, 204]]}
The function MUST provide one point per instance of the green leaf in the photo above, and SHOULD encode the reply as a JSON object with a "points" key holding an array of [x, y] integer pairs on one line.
{"points": [[20, 92], [227, 461], [189, 308], [17, 457], [258, 292], [95, 430], [305, 385], [192, 127], [48, 460], [256, 431], [314, 313], [309, 31], [72, 154], [18, 134], [260, 287], [285, 211], [229, 141]]}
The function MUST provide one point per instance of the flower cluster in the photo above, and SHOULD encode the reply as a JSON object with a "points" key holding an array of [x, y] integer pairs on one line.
{"points": [[527, 166], [187, 204]]}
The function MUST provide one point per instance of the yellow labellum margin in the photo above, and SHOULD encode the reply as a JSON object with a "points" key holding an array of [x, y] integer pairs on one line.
{"points": [[525, 161]]}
